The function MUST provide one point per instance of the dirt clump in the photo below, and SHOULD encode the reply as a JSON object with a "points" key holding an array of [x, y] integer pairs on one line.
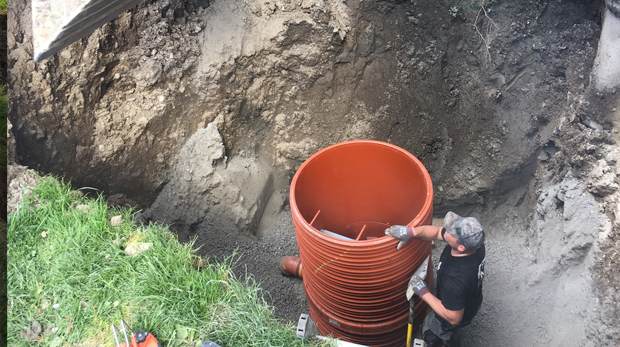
{"points": [[21, 182]]}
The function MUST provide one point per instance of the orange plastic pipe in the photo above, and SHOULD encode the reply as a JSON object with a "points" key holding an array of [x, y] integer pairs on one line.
{"points": [[356, 288], [291, 266]]}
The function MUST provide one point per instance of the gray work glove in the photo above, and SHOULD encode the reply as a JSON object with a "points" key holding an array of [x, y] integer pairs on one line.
{"points": [[417, 286], [402, 232]]}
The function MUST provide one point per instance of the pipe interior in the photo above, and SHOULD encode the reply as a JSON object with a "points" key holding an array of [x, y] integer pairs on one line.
{"points": [[359, 184]]}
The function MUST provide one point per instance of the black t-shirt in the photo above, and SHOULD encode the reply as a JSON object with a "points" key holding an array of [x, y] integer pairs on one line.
{"points": [[459, 283]]}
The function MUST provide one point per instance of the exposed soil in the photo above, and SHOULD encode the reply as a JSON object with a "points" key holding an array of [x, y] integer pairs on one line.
{"points": [[200, 112]]}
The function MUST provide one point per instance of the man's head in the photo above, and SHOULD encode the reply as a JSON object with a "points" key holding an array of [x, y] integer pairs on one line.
{"points": [[467, 230]]}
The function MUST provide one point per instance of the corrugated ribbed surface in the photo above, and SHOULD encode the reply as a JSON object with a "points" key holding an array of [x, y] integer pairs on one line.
{"points": [[356, 289]]}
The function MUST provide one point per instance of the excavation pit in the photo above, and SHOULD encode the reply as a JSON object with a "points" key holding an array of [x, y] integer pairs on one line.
{"points": [[494, 97]]}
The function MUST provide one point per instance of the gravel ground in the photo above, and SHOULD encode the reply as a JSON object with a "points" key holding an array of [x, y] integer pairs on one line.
{"points": [[258, 258]]}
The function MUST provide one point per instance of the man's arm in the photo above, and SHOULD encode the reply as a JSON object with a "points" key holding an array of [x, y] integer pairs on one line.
{"points": [[428, 232], [405, 233], [452, 317], [419, 288]]}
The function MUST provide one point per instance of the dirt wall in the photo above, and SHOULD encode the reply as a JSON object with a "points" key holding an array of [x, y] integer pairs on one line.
{"points": [[285, 79]]}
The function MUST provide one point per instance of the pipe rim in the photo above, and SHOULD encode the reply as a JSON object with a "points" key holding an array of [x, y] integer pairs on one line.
{"points": [[428, 202]]}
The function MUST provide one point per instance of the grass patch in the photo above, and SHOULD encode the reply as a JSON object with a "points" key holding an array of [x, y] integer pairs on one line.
{"points": [[68, 271], [3, 8]]}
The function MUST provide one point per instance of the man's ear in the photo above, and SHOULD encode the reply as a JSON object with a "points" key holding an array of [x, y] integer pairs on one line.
{"points": [[461, 248]]}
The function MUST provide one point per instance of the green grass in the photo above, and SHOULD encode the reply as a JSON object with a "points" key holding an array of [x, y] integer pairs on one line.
{"points": [[77, 280], [2, 7]]}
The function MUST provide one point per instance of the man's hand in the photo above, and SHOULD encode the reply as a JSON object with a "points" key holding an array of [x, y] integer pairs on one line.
{"points": [[417, 286], [402, 232]]}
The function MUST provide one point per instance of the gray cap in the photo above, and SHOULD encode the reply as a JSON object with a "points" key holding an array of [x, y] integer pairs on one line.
{"points": [[467, 230]]}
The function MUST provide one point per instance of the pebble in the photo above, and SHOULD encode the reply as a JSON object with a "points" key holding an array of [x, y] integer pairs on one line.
{"points": [[66, 54], [116, 221]]}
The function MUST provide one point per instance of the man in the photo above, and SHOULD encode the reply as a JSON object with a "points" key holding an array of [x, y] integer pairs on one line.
{"points": [[459, 275]]}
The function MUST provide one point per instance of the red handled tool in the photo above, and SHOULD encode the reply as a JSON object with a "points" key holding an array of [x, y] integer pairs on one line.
{"points": [[139, 339]]}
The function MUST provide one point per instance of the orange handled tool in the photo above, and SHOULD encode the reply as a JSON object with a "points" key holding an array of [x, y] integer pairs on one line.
{"points": [[139, 339]]}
